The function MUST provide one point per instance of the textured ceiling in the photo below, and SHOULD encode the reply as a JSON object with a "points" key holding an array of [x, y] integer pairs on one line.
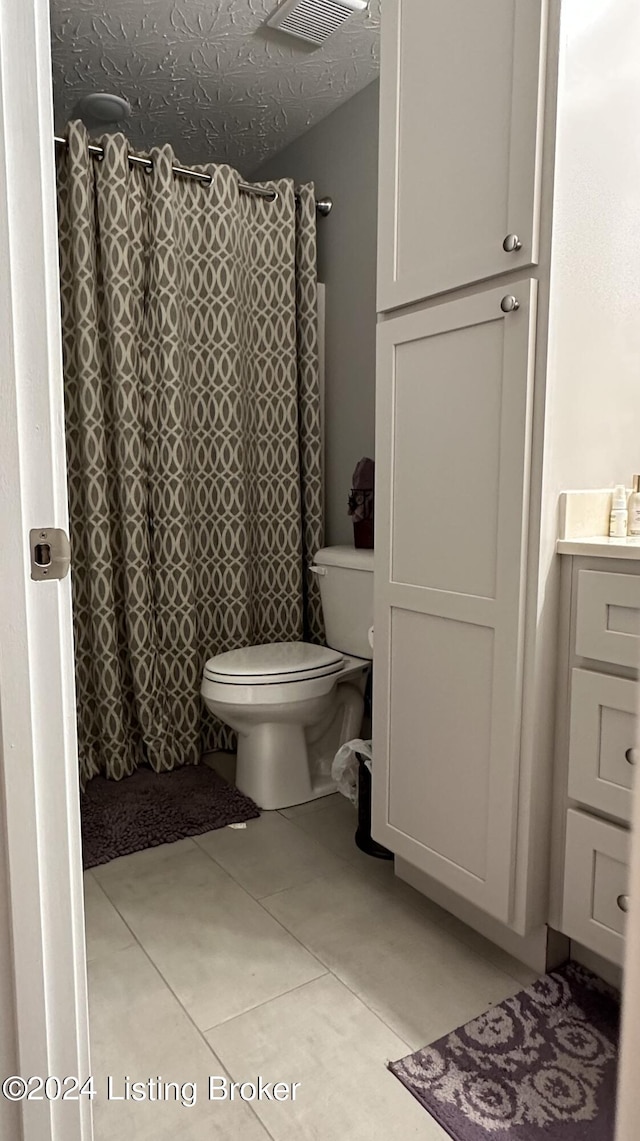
{"points": [[205, 75]]}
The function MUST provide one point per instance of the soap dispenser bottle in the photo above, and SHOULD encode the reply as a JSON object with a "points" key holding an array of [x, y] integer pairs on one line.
{"points": [[619, 518], [634, 507]]}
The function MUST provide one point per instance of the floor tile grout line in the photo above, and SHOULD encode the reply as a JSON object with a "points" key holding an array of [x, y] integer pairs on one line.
{"points": [[346, 984], [329, 971], [360, 999], [328, 974], [258, 898], [200, 1033], [326, 968], [274, 998], [267, 912], [135, 943], [291, 820], [416, 907], [337, 855]]}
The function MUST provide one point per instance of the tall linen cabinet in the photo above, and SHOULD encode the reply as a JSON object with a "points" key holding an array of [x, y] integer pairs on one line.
{"points": [[504, 341]]}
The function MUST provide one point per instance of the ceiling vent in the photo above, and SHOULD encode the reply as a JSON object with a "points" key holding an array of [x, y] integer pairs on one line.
{"points": [[314, 20]]}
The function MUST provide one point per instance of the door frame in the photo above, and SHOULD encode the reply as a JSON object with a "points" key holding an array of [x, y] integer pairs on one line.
{"points": [[38, 748]]}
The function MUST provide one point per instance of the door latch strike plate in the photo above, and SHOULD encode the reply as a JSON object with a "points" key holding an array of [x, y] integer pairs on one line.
{"points": [[50, 553]]}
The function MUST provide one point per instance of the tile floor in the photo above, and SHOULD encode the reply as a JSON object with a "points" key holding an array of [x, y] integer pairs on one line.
{"points": [[277, 950]]}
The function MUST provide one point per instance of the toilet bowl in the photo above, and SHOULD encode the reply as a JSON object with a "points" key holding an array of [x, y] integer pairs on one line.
{"points": [[293, 704]]}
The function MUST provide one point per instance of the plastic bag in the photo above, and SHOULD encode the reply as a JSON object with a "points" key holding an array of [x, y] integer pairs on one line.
{"points": [[344, 770]]}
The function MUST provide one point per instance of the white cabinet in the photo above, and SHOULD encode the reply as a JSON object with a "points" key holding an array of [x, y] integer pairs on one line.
{"points": [[454, 397], [595, 884], [603, 741], [460, 137], [491, 125], [608, 620], [597, 750]]}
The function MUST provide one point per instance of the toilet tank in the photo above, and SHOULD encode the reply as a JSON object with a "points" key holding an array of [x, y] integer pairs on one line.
{"points": [[346, 588]]}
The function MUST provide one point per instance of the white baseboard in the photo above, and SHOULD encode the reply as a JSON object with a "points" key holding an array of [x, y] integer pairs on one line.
{"points": [[541, 950]]}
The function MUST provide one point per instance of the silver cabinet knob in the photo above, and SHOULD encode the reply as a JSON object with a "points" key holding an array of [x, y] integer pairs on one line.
{"points": [[511, 244], [623, 902], [509, 304], [631, 756]]}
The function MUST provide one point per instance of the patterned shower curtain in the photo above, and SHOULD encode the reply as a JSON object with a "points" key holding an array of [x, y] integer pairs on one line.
{"points": [[193, 438]]}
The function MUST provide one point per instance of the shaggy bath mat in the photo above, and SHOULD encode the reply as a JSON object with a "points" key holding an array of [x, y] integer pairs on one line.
{"points": [[538, 1067], [148, 808]]}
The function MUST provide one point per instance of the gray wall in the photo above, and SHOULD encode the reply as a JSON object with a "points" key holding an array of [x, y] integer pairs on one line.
{"points": [[340, 155]]}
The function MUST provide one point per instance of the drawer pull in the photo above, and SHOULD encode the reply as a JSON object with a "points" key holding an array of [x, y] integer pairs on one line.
{"points": [[623, 902], [631, 756]]}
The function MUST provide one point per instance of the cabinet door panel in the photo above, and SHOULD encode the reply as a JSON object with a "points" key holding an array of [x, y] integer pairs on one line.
{"points": [[596, 878], [461, 99], [603, 741], [446, 763], [457, 403], [608, 617], [453, 415]]}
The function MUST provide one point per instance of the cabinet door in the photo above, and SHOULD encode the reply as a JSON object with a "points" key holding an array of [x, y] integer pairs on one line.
{"points": [[460, 137], [596, 884], [453, 416], [603, 741]]}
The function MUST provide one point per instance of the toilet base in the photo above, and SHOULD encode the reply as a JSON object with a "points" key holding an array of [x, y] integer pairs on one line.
{"points": [[272, 765], [273, 768], [281, 764]]}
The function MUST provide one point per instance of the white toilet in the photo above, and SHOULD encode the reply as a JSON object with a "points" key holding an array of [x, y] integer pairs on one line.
{"points": [[293, 704]]}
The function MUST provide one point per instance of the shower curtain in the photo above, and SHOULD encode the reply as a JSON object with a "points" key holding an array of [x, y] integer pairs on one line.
{"points": [[193, 439]]}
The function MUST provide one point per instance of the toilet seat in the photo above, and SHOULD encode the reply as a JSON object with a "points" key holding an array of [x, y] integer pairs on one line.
{"points": [[279, 663]]}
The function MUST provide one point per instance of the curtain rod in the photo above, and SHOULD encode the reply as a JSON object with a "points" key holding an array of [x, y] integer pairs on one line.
{"points": [[324, 206]]}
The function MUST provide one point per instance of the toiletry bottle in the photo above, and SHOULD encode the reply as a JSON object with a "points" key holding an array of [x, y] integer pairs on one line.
{"points": [[619, 518], [633, 507]]}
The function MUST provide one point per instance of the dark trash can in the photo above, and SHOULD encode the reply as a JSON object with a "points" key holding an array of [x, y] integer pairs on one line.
{"points": [[364, 839]]}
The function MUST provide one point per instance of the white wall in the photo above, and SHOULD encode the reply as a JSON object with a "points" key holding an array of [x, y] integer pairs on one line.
{"points": [[340, 155], [597, 337], [594, 337]]}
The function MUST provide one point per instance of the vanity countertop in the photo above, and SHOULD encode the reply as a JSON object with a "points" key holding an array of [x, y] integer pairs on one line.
{"points": [[601, 546], [584, 525]]}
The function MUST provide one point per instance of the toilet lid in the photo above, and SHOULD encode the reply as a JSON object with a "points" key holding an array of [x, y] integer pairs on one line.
{"points": [[273, 664]]}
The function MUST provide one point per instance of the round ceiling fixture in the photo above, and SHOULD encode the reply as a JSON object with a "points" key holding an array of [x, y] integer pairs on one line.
{"points": [[102, 107]]}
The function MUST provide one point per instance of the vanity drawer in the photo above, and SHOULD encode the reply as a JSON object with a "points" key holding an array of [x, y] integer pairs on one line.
{"points": [[608, 617], [603, 741], [595, 884]]}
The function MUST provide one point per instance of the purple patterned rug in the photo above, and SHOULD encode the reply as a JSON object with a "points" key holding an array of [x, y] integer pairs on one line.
{"points": [[538, 1067], [148, 808]]}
